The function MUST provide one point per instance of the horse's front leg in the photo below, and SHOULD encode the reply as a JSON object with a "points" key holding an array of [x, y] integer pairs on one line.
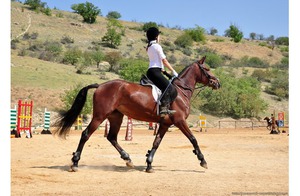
{"points": [[187, 132], [158, 138]]}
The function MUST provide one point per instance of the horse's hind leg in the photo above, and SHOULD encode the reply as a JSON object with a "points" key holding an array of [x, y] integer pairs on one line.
{"points": [[85, 135], [115, 121]]}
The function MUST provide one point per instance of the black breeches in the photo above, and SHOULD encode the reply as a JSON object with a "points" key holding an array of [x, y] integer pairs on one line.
{"points": [[156, 76]]}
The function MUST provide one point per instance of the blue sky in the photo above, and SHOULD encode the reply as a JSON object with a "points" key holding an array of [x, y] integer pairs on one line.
{"points": [[266, 17]]}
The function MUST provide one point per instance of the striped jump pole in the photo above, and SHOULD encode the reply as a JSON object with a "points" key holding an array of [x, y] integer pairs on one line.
{"points": [[46, 129], [13, 121], [128, 136]]}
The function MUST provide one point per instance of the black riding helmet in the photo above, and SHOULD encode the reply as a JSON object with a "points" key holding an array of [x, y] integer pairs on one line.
{"points": [[152, 33]]}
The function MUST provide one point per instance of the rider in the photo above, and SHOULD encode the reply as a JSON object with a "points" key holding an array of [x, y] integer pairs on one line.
{"points": [[157, 61]]}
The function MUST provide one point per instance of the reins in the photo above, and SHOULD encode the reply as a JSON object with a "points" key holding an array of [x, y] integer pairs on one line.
{"points": [[185, 87]]}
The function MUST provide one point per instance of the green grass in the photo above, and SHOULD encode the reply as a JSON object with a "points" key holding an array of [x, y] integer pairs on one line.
{"points": [[32, 72]]}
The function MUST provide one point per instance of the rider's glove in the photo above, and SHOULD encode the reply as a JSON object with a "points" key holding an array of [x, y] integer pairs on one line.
{"points": [[175, 73]]}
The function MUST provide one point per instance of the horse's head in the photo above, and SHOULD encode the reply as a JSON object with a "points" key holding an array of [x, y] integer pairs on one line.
{"points": [[206, 77]]}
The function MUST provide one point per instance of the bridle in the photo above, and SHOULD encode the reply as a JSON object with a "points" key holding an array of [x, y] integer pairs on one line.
{"points": [[208, 76]]}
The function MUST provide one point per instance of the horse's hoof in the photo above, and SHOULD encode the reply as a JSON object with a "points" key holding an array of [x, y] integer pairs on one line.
{"points": [[150, 170], [73, 169], [204, 165], [129, 164]]}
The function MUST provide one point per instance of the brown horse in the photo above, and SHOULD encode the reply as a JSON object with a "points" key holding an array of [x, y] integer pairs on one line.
{"points": [[269, 123], [116, 98]]}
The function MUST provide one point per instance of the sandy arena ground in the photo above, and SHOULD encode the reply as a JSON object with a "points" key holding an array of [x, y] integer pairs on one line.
{"points": [[240, 162]]}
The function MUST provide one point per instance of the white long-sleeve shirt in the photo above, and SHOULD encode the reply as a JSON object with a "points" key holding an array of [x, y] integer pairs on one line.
{"points": [[156, 55]]}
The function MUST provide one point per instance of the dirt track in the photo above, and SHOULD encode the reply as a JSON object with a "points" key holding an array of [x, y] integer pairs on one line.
{"points": [[240, 162]]}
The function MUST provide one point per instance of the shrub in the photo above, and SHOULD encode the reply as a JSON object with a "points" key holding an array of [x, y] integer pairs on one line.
{"points": [[238, 97], [184, 41], [113, 58], [72, 56], [197, 34], [282, 41], [213, 60], [66, 40], [69, 96], [132, 69]]}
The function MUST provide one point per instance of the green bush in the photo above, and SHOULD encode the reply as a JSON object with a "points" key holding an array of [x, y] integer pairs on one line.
{"points": [[132, 69], [69, 96], [237, 98], [282, 41], [184, 41], [213, 60], [72, 56], [197, 34], [279, 84]]}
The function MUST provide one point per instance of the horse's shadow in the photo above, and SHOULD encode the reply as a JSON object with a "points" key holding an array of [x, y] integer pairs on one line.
{"points": [[115, 168]]}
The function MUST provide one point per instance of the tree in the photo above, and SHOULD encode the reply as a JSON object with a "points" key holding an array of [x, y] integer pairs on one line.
{"points": [[35, 4], [234, 33], [147, 25], [113, 15], [38, 6], [213, 31], [88, 11], [252, 35], [97, 56], [113, 36]]}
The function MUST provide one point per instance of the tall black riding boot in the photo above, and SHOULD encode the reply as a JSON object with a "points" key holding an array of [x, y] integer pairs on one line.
{"points": [[165, 105]]}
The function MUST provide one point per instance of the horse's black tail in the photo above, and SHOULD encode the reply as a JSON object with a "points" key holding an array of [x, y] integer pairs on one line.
{"points": [[67, 119]]}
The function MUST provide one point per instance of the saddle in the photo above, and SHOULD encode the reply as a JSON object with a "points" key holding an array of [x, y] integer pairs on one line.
{"points": [[156, 92]]}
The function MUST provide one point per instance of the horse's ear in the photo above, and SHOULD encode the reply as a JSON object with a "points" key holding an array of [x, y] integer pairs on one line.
{"points": [[201, 61]]}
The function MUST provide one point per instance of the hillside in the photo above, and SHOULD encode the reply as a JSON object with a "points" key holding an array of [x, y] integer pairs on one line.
{"points": [[44, 81]]}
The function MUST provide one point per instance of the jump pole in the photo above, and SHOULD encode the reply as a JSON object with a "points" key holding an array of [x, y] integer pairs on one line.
{"points": [[46, 129], [24, 119], [128, 136], [13, 121]]}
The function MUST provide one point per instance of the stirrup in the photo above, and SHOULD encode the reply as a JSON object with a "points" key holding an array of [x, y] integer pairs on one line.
{"points": [[163, 113]]}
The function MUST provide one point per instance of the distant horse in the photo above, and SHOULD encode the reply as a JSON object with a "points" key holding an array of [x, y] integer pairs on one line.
{"points": [[269, 123], [114, 99]]}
